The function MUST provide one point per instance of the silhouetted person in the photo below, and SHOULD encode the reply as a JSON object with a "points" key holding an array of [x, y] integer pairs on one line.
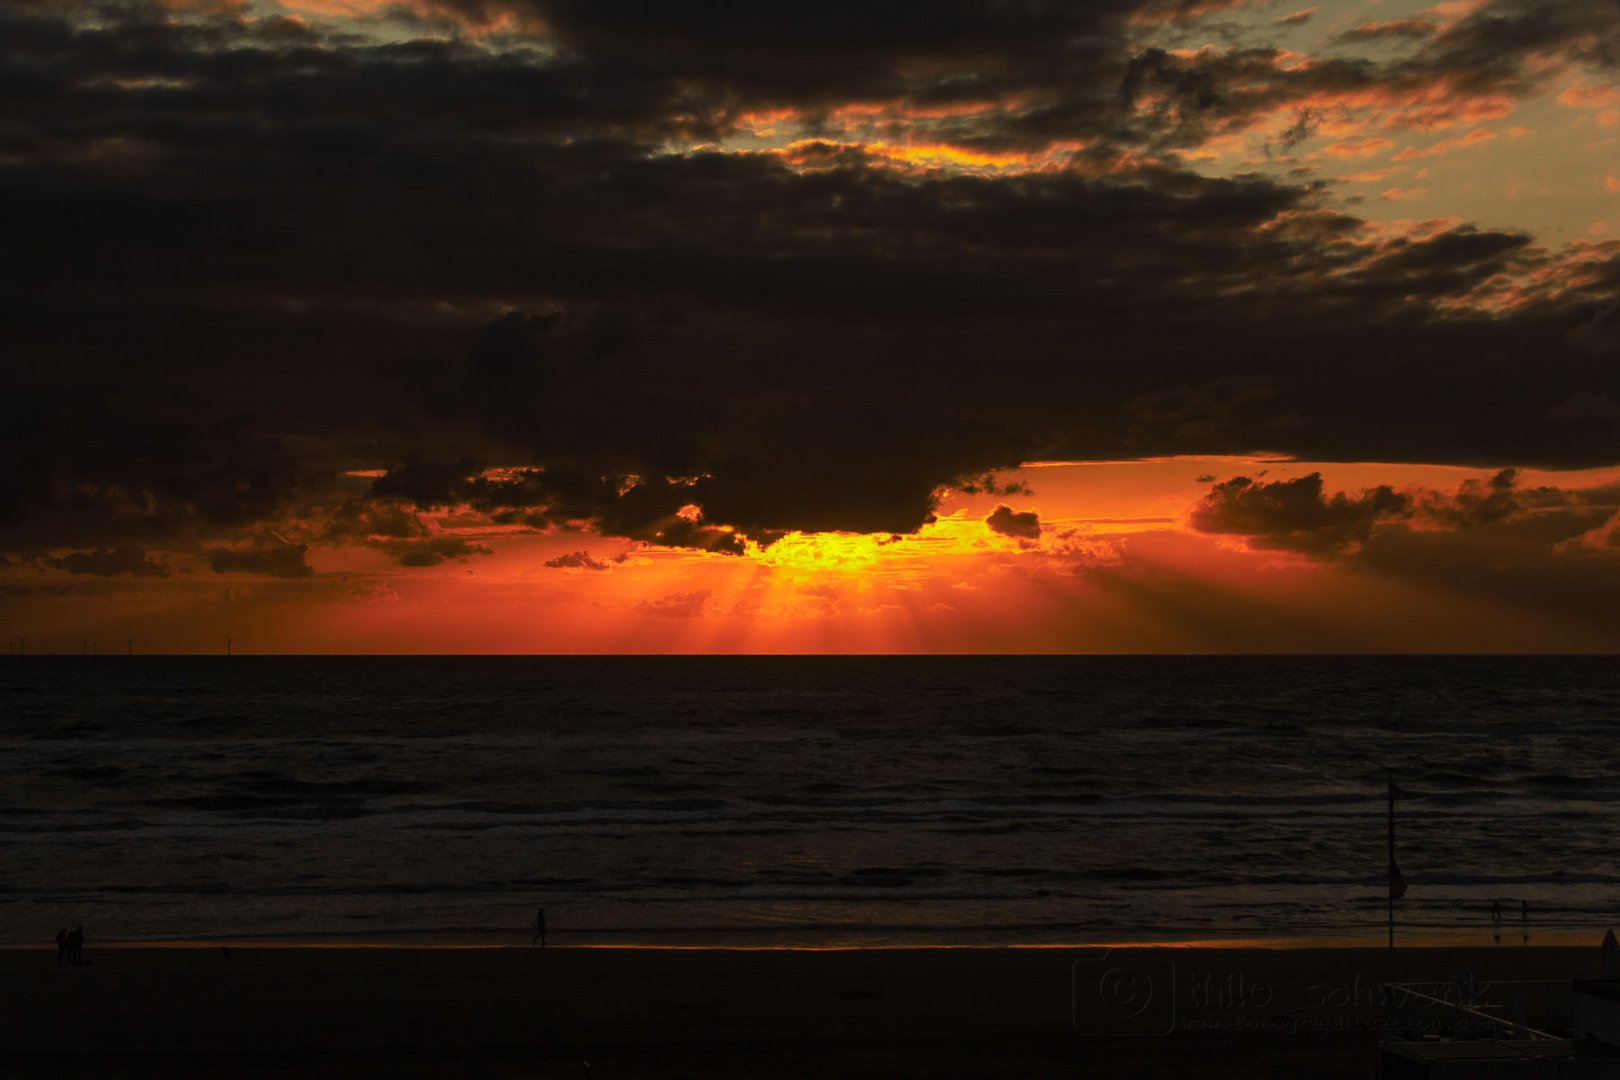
{"points": [[1611, 956], [75, 946], [539, 929], [1524, 920], [61, 945], [225, 953], [1496, 920]]}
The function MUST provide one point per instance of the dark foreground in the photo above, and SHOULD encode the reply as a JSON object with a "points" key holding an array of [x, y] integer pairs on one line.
{"points": [[330, 1012]]}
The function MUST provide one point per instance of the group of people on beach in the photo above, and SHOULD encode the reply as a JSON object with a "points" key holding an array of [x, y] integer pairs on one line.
{"points": [[70, 946]]}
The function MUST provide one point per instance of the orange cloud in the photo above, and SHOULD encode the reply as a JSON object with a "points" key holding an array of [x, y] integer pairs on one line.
{"points": [[762, 123], [1427, 106], [1445, 146], [946, 154], [823, 153], [1114, 568], [868, 112], [475, 21], [1605, 537], [1589, 97], [1183, 12], [1452, 12], [1372, 177], [866, 121], [1357, 147], [338, 9]]}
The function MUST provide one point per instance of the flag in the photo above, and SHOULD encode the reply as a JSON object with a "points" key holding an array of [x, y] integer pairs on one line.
{"points": [[1397, 884]]}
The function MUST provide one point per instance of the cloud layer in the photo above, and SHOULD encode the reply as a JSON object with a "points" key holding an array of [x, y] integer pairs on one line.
{"points": [[281, 281]]}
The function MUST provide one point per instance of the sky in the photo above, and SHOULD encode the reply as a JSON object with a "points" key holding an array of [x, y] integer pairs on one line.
{"points": [[969, 326]]}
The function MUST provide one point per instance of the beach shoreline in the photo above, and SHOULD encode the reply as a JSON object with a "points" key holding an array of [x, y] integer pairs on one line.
{"points": [[516, 1011], [750, 939]]}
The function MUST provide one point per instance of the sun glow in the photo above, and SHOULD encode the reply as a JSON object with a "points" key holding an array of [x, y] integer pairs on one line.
{"points": [[961, 532], [822, 551], [1056, 556]]}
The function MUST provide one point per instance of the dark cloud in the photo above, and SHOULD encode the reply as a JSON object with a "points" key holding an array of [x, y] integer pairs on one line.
{"points": [[119, 468], [1479, 502], [109, 561], [1602, 333], [431, 551], [248, 259], [733, 54], [1506, 585], [1210, 412], [1551, 567], [1541, 561], [1182, 93], [1517, 32], [1501, 498], [1022, 525], [1584, 405], [1419, 74], [989, 484], [1408, 533], [429, 484], [373, 520], [658, 511], [1294, 515], [576, 560], [268, 556]]}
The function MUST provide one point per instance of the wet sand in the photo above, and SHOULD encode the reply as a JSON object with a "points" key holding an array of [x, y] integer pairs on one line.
{"points": [[517, 1012]]}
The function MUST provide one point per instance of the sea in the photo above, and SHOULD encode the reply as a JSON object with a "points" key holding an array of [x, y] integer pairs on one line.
{"points": [[808, 801]]}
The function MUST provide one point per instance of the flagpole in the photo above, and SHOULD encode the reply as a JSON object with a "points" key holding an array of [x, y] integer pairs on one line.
{"points": [[1391, 890]]}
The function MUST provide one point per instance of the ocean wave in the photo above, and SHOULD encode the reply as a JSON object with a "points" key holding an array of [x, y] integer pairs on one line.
{"points": [[1146, 793]]}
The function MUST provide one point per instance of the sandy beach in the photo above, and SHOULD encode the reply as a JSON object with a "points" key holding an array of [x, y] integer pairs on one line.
{"points": [[497, 1012]]}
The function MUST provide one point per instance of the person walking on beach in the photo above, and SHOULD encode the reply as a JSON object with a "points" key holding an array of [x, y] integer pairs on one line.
{"points": [[61, 945], [539, 929], [75, 946]]}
